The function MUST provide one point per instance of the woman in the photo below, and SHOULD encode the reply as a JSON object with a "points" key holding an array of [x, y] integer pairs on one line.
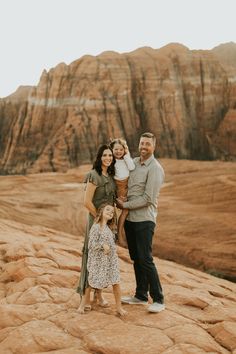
{"points": [[100, 189]]}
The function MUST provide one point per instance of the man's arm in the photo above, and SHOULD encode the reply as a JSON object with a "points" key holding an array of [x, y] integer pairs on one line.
{"points": [[152, 188]]}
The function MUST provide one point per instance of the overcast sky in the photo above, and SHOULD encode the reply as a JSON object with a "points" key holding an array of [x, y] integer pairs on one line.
{"points": [[39, 34]]}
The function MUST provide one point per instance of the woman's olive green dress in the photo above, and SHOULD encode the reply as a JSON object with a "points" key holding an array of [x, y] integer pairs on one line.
{"points": [[104, 193]]}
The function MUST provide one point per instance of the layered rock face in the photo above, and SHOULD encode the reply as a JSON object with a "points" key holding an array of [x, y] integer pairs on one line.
{"points": [[13, 111], [226, 53], [182, 96]]}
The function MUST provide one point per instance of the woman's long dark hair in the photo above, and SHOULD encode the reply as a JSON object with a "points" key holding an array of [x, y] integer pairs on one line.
{"points": [[97, 165]]}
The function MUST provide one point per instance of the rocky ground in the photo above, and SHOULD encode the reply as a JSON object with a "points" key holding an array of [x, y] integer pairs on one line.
{"points": [[41, 228]]}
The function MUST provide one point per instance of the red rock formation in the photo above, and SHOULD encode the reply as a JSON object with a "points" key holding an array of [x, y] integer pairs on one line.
{"points": [[180, 95], [13, 110], [225, 138], [226, 53]]}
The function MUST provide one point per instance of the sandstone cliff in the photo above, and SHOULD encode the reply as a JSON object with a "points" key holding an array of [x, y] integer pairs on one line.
{"points": [[226, 53], [182, 96], [13, 110]]}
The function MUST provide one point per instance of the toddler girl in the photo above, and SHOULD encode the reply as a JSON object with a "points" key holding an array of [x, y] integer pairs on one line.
{"points": [[103, 267], [124, 163]]}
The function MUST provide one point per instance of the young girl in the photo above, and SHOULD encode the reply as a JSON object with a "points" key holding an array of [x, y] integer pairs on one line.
{"points": [[124, 163], [103, 268]]}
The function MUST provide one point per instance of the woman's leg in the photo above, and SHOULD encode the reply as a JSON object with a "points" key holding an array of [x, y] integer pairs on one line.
{"points": [[85, 300], [117, 295]]}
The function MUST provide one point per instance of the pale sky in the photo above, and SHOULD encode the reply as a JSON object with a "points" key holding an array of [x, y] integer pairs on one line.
{"points": [[38, 34]]}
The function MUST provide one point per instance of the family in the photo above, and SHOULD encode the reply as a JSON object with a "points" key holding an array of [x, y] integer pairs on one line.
{"points": [[132, 185]]}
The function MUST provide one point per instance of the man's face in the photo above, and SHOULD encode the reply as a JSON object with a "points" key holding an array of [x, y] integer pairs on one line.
{"points": [[146, 147]]}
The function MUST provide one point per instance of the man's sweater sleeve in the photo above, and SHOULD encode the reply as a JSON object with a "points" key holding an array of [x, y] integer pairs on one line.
{"points": [[151, 192]]}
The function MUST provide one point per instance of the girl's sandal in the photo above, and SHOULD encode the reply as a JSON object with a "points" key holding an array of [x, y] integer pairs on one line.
{"points": [[103, 303], [87, 308], [121, 312], [80, 310]]}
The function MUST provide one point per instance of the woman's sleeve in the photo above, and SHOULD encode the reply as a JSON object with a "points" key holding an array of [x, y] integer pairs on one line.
{"points": [[92, 177], [129, 162]]}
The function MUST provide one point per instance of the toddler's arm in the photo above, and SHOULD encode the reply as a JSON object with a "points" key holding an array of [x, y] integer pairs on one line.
{"points": [[128, 159]]}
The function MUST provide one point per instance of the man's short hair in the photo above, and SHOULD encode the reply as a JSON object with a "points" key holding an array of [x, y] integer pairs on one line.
{"points": [[150, 136]]}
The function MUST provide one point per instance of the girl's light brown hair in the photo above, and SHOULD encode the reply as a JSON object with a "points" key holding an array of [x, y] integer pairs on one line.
{"points": [[111, 223]]}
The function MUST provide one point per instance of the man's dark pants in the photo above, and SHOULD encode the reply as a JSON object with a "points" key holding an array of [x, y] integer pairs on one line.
{"points": [[139, 238]]}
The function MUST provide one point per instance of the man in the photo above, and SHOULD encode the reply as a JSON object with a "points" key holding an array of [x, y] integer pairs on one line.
{"points": [[143, 189]]}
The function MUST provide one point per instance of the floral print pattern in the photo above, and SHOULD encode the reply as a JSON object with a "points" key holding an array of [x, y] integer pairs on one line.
{"points": [[103, 269]]}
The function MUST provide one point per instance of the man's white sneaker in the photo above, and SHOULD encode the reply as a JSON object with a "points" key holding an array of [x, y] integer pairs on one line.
{"points": [[156, 307], [132, 300]]}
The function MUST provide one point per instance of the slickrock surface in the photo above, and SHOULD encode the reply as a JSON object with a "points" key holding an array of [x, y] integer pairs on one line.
{"points": [[41, 226], [38, 304], [185, 97]]}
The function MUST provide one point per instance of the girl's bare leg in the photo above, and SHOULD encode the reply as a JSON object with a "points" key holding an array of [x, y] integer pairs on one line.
{"points": [[117, 295], [99, 298], [121, 234], [85, 301]]}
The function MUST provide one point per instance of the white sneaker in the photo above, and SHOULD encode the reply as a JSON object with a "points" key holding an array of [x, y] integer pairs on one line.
{"points": [[156, 307], [132, 300]]}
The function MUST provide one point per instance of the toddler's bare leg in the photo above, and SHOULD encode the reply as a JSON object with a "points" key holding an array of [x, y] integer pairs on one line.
{"points": [[117, 295], [85, 300], [98, 297], [121, 232]]}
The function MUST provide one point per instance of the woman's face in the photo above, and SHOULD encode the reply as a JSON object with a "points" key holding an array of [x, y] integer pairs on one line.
{"points": [[118, 151], [108, 212], [106, 158]]}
